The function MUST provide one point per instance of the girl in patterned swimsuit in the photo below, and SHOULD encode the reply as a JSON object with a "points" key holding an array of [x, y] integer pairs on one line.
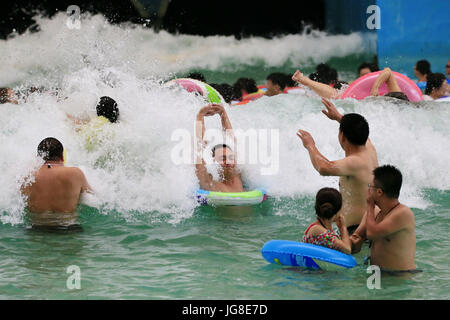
{"points": [[320, 232]]}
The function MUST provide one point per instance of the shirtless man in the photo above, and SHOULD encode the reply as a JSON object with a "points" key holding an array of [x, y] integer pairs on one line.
{"points": [[54, 195], [230, 178], [392, 230], [355, 170]]}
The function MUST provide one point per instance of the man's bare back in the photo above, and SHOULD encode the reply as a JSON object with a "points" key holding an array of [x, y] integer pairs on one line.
{"points": [[354, 171], [353, 187], [55, 193]]}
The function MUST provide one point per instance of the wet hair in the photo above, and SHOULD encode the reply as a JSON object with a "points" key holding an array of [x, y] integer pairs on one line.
{"points": [[107, 107], [278, 78], [328, 203], [355, 128], [217, 146], [289, 81], [324, 74], [225, 90], [368, 65], [397, 95], [424, 67], [50, 149], [389, 179], [196, 76], [246, 84], [434, 81], [338, 84], [4, 95]]}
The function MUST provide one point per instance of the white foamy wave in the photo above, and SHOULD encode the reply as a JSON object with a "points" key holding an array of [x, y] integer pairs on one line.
{"points": [[57, 50], [133, 172]]}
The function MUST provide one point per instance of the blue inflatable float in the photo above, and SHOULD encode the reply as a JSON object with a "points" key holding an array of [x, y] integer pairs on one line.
{"points": [[298, 254]]}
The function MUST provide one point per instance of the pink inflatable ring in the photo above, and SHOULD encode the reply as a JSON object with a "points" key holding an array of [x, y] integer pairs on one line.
{"points": [[361, 87]]}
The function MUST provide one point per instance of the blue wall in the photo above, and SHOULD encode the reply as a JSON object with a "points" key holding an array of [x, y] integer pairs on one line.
{"points": [[412, 30], [346, 16]]}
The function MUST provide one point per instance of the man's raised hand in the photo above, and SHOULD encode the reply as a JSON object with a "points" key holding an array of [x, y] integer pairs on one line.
{"points": [[331, 112], [306, 138]]}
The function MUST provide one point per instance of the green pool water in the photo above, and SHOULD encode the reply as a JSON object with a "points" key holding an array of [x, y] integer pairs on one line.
{"points": [[143, 237], [215, 254]]}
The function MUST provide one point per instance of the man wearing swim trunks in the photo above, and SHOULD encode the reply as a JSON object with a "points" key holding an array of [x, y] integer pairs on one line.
{"points": [[355, 170], [391, 230], [54, 194], [230, 178]]}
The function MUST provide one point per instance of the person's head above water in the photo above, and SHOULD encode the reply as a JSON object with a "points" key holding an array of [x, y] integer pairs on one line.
{"points": [[245, 86], [324, 74], [50, 149], [276, 83], [387, 181], [422, 69], [107, 107], [366, 68], [354, 128], [224, 156], [328, 203], [436, 85]]}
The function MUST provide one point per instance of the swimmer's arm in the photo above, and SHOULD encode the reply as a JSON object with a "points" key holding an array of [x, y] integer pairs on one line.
{"points": [[205, 179], [345, 244], [386, 76], [359, 236], [393, 223], [226, 123], [323, 90], [344, 167], [85, 187]]}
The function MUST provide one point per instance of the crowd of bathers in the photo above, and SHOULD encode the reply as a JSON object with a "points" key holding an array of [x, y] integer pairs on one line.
{"points": [[365, 208], [432, 84], [323, 81]]}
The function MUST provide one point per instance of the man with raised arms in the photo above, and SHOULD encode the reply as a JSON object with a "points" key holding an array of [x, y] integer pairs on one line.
{"points": [[355, 170], [230, 178], [391, 230], [53, 196]]}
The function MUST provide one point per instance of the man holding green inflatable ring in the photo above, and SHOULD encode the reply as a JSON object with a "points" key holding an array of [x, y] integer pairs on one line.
{"points": [[230, 179]]}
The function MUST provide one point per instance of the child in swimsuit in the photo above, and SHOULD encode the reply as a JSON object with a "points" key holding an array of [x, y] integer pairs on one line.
{"points": [[320, 232]]}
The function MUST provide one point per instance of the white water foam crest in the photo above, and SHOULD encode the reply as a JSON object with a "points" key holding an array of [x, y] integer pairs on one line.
{"points": [[57, 50], [133, 171], [137, 173]]}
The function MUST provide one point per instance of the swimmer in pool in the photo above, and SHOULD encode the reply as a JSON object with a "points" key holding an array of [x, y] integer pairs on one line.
{"points": [[107, 113], [276, 83], [327, 92], [394, 90], [322, 89], [391, 229], [54, 194], [320, 232], [355, 170], [436, 88], [230, 178]]}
